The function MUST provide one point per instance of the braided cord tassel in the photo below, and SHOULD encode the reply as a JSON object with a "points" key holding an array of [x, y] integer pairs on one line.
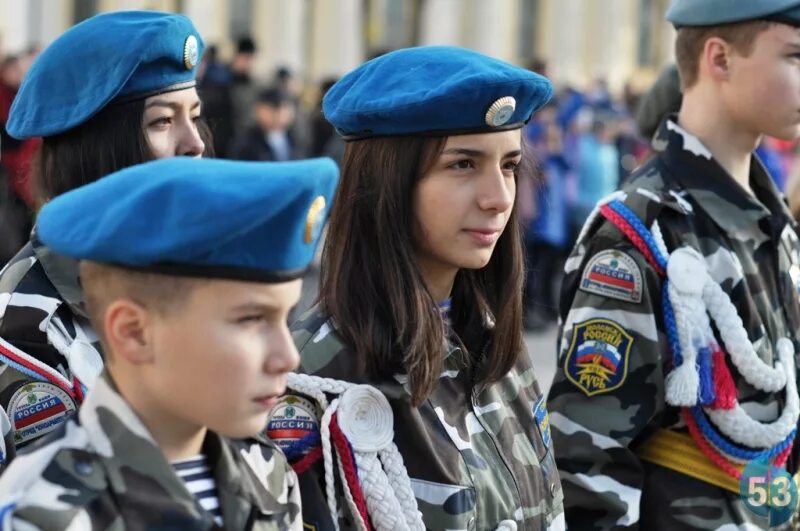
{"points": [[384, 507], [401, 483], [349, 474], [683, 381], [724, 386], [327, 459], [707, 391], [731, 329]]}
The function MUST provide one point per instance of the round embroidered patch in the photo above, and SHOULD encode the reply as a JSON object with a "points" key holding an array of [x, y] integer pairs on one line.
{"points": [[292, 418], [38, 408], [613, 274]]}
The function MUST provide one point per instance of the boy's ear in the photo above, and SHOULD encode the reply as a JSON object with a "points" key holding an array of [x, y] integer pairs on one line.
{"points": [[127, 331], [716, 58]]}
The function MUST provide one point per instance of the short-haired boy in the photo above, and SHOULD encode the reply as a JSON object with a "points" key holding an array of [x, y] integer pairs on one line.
{"points": [[190, 276]]}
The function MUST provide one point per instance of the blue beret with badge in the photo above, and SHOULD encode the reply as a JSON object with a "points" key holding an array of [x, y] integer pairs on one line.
{"points": [[717, 12], [432, 90], [109, 57], [208, 218]]}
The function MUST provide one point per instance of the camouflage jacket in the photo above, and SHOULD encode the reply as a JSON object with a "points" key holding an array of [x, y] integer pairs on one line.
{"points": [[102, 470], [599, 424], [475, 457], [41, 302]]}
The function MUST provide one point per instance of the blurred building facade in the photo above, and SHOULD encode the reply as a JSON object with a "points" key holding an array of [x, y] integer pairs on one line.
{"points": [[621, 40]]}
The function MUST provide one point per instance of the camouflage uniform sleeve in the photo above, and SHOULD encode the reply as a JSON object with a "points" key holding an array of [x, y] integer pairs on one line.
{"points": [[268, 463], [608, 386], [293, 497]]}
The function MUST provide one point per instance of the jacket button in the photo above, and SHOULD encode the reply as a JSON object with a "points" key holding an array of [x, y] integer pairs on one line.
{"points": [[553, 490]]}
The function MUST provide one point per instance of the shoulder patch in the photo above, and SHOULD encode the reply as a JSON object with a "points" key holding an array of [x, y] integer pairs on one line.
{"points": [[293, 418], [613, 274], [597, 358], [37, 408]]}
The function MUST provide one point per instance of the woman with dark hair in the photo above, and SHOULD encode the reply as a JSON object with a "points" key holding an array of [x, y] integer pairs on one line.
{"points": [[113, 91], [418, 407]]}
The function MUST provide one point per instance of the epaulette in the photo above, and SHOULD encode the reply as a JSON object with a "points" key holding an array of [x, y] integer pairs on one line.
{"points": [[355, 441]]}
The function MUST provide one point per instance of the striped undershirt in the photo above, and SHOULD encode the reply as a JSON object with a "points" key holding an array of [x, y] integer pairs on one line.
{"points": [[200, 481]]}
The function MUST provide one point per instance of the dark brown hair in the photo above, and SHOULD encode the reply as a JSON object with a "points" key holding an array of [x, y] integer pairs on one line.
{"points": [[111, 140], [372, 287], [691, 40]]}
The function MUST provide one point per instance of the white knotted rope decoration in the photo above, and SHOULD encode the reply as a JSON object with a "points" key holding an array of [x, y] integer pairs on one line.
{"points": [[743, 429], [731, 329], [694, 296], [365, 417]]}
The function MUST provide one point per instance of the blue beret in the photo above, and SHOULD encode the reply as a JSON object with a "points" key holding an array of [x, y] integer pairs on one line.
{"points": [[716, 12], [434, 89], [125, 54], [206, 218]]}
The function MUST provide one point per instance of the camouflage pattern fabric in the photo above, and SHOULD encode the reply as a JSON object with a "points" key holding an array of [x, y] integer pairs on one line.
{"points": [[605, 405], [38, 289], [475, 457], [102, 470]]}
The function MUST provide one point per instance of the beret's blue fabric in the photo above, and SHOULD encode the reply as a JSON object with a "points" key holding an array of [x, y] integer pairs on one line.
{"points": [[714, 12], [197, 217], [118, 54], [431, 89]]}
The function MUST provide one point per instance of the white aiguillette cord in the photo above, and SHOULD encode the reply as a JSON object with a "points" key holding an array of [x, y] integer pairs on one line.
{"points": [[366, 419], [695, 296]]}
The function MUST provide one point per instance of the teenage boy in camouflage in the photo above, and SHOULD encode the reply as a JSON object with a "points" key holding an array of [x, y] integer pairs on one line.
{"points": [[680, 307]]}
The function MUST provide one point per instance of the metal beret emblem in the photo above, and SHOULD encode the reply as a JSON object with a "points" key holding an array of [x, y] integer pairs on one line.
{"points": [[191, 52], [500, 111], [314, 219]]}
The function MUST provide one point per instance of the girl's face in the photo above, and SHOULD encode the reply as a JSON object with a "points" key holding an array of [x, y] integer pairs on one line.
{"points": [[462, 204], [170, 124]]}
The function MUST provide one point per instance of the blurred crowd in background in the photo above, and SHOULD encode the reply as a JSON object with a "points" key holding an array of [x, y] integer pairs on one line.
{"points": [[584, 145]]}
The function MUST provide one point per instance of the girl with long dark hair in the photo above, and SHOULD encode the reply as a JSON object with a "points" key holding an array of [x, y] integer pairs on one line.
{"points": [[418, 407]]}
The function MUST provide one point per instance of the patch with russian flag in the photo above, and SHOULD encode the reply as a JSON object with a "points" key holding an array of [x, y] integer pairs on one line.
{"points": [[292, 418], [37, 408], [597, 358], [613, 274]]}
